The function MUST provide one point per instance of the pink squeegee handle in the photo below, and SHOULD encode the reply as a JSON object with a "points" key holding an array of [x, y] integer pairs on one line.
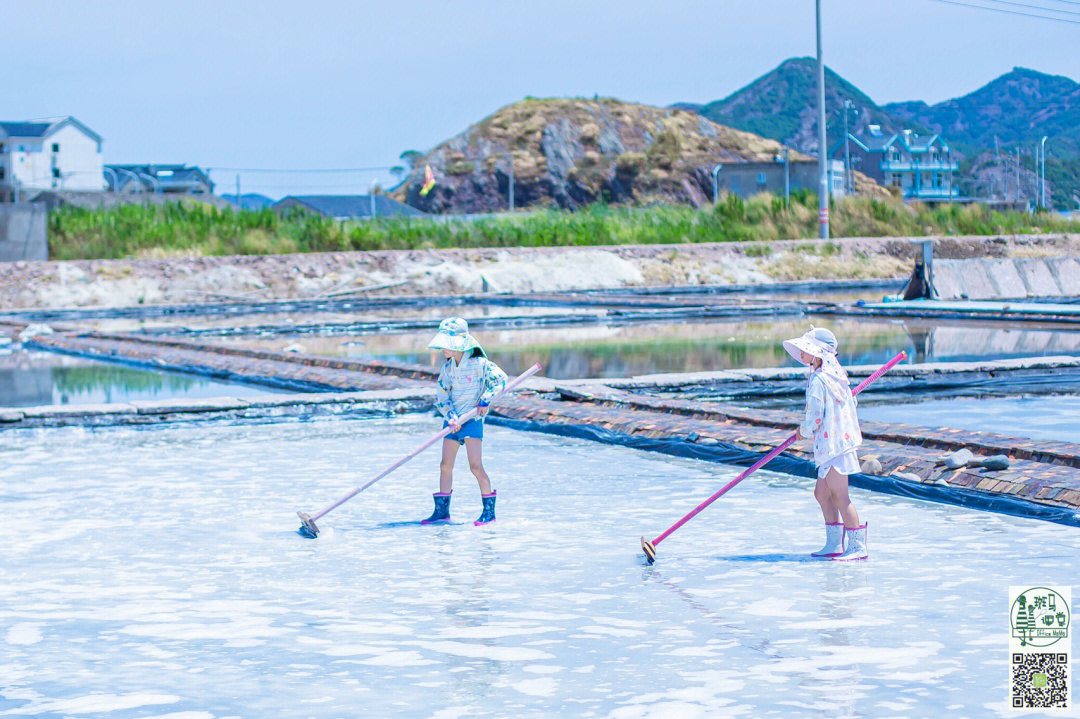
{"points": [[446, 430], [771, 455]]}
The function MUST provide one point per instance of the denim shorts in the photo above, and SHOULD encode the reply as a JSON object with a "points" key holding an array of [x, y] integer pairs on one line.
{"points": [[474, 429]]}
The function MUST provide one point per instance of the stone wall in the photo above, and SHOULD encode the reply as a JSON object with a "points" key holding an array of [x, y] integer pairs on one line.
{"points": [[22, 232]]}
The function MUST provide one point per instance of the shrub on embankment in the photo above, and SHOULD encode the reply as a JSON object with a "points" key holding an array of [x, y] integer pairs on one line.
{"points": [[197, 229]]}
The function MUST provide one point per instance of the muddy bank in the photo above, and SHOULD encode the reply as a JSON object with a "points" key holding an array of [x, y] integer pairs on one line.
{"points": [[88, 283]]}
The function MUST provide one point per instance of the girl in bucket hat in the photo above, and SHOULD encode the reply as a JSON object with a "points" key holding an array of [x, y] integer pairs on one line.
{"points": [[833, 424], [468, 379]]}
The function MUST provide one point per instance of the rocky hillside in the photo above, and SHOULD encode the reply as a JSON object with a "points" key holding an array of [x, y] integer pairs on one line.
{"points": [[569, 153]]}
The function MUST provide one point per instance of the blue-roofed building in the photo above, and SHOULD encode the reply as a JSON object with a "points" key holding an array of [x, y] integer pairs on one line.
{"points": [[921, 168], [249, 201], [57, 154], [158, 179], [348, 207]]}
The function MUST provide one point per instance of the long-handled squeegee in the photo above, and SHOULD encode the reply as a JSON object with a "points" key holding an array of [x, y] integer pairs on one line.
{"points": [[650, 547], [311, 531]]}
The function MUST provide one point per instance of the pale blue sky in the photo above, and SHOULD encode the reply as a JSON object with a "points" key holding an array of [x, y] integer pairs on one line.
{"points": [[274, 84]]}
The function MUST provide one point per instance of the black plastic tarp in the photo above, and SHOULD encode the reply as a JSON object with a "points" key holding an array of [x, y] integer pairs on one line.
{"points": [[730, 454]]}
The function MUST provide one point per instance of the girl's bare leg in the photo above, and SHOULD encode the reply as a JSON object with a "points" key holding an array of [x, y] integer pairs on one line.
{"points": [[824, 497], [474, 447], [446, 466], [838, 486]]}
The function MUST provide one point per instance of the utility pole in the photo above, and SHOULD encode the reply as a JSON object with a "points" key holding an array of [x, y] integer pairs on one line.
{"points": [[1035, 160], [848, 104], [787, 177], [823, 180], [1017, 174], [997, 164], [1042, 184]]}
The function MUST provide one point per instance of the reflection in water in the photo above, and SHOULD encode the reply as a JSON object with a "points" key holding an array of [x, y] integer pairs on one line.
{"points": [[695, 346], [467, 603], [981, 341], [608, 350], [30, 379], [837, 691]]}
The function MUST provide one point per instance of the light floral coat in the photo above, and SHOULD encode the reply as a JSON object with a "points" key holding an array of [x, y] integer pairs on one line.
{"points": [[830, 418]]}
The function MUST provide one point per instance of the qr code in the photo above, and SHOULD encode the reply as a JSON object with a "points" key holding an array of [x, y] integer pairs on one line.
{"points": [[1040, 680]]}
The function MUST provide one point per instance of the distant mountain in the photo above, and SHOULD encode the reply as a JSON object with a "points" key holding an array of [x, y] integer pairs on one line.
{"points": [[1016, 109], [572, 152], [782, 105], [250, 201], [1019, 107]]}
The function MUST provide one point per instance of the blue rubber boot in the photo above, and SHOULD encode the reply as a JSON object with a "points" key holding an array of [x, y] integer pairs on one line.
{"points": [[442, 509], [488, 515]]}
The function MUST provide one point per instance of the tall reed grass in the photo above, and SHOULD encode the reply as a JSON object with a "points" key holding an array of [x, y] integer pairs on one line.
{"points": [[197, 228]]}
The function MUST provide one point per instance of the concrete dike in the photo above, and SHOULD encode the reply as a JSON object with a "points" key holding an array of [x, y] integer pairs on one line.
{"points": [[306, 405], [192, 280], [1005, 278]]}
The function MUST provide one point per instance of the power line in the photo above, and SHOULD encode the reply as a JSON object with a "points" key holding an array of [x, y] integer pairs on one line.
{"points": [[1032, 7], [1009, 12]]}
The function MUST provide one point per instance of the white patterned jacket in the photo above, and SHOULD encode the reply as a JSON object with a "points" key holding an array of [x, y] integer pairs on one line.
{"points": [[830, 418]]}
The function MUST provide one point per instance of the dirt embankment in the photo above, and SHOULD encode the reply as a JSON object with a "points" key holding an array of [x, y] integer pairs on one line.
{"points": [[204, 279]]}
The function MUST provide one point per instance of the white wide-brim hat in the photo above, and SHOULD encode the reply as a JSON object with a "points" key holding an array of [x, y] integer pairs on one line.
{"points": [[454, 335], [820, 343]]}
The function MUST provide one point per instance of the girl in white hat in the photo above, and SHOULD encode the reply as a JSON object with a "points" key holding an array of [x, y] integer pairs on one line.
{"points": [[833, 424], [468, 379]]}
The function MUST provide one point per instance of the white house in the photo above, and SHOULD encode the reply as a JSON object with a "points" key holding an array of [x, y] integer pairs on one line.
{"points": [[61, 154]]}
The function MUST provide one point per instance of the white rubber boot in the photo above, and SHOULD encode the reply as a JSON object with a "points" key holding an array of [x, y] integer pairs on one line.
{"points": [[834, 541], [855, 543]]}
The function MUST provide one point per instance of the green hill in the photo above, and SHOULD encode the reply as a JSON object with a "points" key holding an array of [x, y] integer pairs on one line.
{"points": [[1015, 110], [782, 105]]}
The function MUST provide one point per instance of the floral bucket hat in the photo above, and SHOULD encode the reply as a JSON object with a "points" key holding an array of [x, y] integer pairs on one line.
{"points": [[820, 343], [454, 335]]}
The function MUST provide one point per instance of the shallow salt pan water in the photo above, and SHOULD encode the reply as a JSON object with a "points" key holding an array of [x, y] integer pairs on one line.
{"points": [[151, 573], [1053, 417]]}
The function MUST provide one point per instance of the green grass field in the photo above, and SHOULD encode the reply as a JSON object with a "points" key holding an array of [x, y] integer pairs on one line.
{"points": [[192, 228]]}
